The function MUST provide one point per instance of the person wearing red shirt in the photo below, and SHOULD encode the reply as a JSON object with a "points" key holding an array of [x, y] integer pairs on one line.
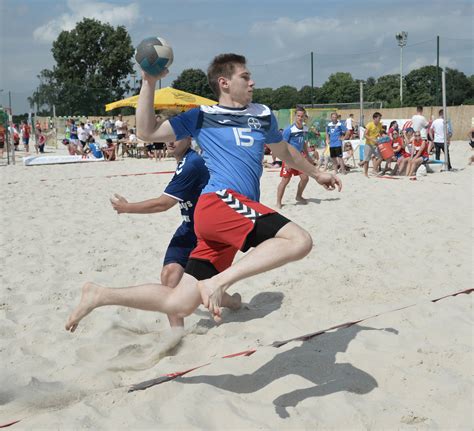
{"points": [[25, 131], [420, 154]]}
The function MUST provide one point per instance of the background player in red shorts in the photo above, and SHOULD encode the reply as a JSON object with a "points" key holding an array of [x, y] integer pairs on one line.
{"points": [[228, 215], [295, 135]]}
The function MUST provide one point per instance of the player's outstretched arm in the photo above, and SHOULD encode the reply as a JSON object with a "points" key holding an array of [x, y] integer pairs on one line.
{"points": [[150, 206], [149, 129], [293, 158]]}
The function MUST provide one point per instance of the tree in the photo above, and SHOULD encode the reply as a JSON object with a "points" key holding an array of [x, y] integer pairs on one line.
{"points": [[421, 86], [459, 88], [385, 89], [308, 95], [285, 97], [46, 95], [339, 88], [470, 100], [264, 96], [93, 61], [193, 81]]}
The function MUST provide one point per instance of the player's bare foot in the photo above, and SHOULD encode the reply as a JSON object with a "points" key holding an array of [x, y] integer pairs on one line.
{"points": [[279, 206], [211, 295], [89, 301], [301, 200]]}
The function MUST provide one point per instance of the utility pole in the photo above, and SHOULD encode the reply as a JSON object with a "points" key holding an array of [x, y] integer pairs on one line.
{"points": [[402, 41], [437, 71], [312, 81]]}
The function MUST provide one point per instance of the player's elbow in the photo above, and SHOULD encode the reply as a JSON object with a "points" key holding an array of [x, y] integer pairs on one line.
{"points": [[143, 135]]}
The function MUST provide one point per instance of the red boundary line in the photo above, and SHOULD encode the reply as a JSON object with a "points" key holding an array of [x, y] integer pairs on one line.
{"points": [[171, 376], [115, 175]]}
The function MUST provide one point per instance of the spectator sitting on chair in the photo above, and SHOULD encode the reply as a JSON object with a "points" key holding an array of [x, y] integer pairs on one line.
{"points": [[348, 154], [398, 155], [420, 154]]}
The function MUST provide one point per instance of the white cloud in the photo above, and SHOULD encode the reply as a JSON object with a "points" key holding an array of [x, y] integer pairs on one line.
{"points": [[105, 12]]}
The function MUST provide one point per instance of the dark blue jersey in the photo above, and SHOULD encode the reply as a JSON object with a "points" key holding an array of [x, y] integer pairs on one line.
{"points": [[187, 183]]}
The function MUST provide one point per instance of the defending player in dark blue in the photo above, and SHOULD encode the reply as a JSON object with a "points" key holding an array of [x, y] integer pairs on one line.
{"points": [[184, 189]]}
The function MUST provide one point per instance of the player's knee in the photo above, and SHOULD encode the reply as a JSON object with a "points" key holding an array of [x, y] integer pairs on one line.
{"points": [[306, 244], [171, 274], [302, 243], [185, 309]]}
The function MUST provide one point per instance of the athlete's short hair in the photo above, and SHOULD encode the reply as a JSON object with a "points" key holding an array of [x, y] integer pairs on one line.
{"points": [[377, 115], [223, 65], [419, 108]]}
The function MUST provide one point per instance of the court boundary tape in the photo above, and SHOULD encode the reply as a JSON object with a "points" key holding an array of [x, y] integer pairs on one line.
{"points": [[112, 176], [171, 376]]}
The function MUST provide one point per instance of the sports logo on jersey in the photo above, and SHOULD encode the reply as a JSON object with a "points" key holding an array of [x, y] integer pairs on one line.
{"points": [[253, 123], [180, 166]]}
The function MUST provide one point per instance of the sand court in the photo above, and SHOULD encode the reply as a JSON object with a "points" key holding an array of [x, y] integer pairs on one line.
{"points": [[378, 245]]}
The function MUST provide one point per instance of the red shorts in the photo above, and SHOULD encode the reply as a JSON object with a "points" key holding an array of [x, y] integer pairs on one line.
{"points": [[288, 172], [222, 222]]}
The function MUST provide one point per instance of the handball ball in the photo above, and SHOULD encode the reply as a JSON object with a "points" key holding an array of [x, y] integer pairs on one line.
{"points": [[153, 54]]}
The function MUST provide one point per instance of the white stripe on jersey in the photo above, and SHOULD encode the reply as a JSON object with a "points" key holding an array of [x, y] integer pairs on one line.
{"points": [[253, 110], [295, 129]]}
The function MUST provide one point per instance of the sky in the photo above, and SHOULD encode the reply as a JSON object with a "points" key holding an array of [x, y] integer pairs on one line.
{"points": [[276, 36]]}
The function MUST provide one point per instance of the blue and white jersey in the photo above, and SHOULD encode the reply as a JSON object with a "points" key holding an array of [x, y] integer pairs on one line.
{"points": [[295, 137], [73, 132], [190, 177], [232, 140], [335, 131], [95, 150]]}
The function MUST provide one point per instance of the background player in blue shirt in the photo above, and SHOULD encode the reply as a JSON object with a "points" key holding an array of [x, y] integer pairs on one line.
{"points": [[335, 132], [295, 135], [228, 216]]}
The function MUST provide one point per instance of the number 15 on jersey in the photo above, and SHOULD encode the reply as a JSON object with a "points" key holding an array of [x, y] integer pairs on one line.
{"points": [[243, 137]]}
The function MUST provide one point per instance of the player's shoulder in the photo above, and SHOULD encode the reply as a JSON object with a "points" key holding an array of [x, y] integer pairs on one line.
{"points": [[193, 161]]}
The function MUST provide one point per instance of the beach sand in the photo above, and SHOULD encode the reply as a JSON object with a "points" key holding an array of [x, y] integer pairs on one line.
{"points": [[378, 245]]}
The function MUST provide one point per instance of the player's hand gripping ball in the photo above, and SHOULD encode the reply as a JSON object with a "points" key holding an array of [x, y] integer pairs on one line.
{"points": [[154, 55]]}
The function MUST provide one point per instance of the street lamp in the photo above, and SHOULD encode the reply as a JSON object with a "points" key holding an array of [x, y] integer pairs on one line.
{"points": [[402, 41]]}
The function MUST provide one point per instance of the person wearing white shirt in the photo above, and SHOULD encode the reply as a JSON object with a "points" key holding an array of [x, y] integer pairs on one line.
{"points": [[350, 126], [437, 136], [82, 134], [89, 128], [419, 123]]}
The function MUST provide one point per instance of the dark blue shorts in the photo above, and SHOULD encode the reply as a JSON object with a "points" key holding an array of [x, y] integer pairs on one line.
{"points": [[180, 247]]}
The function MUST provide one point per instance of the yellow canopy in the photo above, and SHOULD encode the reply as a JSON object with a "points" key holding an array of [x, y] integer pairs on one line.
{"points": [[166, 98]]}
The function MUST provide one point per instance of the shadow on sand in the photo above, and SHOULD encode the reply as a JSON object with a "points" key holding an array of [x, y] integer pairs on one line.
{"points": [[314, 360], [260, 305]]}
